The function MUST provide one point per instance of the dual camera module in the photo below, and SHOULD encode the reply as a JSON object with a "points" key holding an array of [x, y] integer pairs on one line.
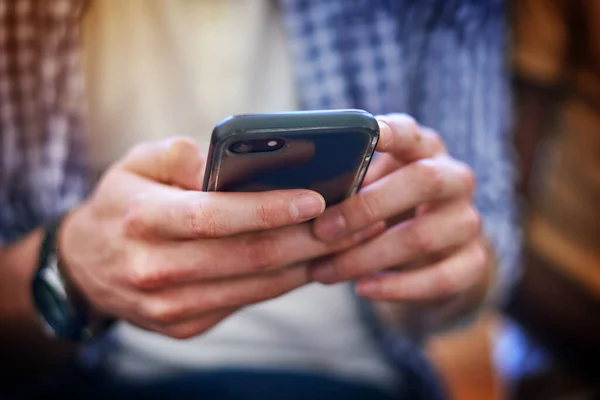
{"points": [[256, 146]]}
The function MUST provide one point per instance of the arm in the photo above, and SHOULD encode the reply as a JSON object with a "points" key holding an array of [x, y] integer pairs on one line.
{"points": [[28, 160], [23, 345], [18, 262]]}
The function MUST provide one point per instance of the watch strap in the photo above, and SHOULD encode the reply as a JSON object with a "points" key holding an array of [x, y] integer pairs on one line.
{"points": [[63, 309]]}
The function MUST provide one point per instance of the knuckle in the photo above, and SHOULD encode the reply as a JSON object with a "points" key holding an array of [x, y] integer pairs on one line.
{"points": [[262, 252], [447, 282], [473, 220], [419, 240], [203, 221], [266, 215], [430, 177], [178, 150], [138, 278], [467, 177], [145, 276], [366, 209], [161, 311], [180, 147], [480, 257], [437, 144], [409, 124], [135, 224]]}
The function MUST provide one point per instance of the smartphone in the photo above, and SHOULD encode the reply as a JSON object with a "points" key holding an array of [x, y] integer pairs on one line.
{"points": [[325, 151]]}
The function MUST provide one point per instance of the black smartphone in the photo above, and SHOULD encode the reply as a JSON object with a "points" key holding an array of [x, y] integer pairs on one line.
{"points": [[326, 151]]}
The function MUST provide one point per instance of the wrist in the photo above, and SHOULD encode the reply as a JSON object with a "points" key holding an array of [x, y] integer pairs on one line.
{"points": [[61, 304], [95, 322]]}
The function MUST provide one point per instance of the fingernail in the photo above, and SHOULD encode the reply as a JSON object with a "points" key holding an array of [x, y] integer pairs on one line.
{"points": [[367, 287], [384, 134], [323, 272], [382, 124], [331, 225], [307, 206]]}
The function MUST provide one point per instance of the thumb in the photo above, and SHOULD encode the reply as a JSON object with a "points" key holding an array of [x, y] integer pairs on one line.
{"points": [[175, 161], [407, 141]]}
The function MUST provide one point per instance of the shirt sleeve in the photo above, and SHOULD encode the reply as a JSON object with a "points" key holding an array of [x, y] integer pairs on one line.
{"points": [[540, 39], [42, 159]]}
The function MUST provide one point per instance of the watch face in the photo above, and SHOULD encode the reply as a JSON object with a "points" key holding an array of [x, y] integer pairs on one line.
{"points": [[55, 311], [51, 301]]}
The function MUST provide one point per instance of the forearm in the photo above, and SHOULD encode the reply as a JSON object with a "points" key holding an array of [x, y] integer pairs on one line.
{"points": [[17, 265], [22, 342]]}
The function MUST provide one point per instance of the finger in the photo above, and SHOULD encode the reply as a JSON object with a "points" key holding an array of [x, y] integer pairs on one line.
{"points": [[381, 166], [185, 215], [447, 227], [174, 161], [185, 329], [190, 301], [386, 163], [454, 275], [421, 182], [401, 136], [165, 264], [189, 329]]}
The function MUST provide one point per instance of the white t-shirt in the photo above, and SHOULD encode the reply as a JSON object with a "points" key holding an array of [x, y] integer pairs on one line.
{"points": [[156, 68]]}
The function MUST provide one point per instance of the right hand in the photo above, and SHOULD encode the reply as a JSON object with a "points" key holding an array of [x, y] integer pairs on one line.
{"points": [[150, 248]]}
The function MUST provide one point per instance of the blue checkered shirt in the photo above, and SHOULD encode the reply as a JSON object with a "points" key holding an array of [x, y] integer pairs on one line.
{"points": [[442, 61]]}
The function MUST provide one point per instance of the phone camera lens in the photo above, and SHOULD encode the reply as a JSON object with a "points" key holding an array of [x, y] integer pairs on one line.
{"points": [[272, 144], [241, 147], [257, 146]]}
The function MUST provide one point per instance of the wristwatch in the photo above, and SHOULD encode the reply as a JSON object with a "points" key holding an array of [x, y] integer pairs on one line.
{"points": [[62, 309]]}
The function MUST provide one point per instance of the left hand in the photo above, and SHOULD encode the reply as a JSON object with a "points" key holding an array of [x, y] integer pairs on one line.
{"points": [[442, 236]]}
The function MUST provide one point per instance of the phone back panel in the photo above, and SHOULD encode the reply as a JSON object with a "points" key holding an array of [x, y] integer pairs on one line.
{"points": [[326, 151]]}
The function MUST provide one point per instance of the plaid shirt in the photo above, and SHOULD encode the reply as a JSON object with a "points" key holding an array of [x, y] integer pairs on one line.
{"points": [[42, 168], [443, 61]]}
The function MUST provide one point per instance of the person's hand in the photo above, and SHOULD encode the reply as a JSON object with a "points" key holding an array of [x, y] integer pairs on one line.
{"points": [[432, 248], [149, 247]]}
